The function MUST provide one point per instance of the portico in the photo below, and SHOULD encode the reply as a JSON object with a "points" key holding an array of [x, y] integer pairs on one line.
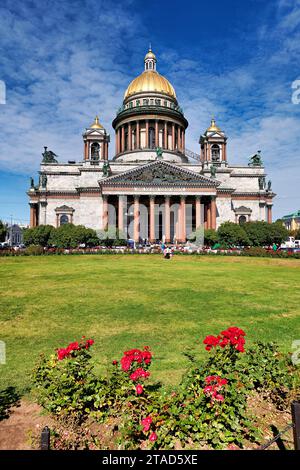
{"points": [[158, 201]]}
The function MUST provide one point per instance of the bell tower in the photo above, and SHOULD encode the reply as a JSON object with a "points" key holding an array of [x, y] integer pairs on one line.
{"points": [[213, 145], [95, 140]]}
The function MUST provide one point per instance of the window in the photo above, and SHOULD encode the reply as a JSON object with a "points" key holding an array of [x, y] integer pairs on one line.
{"points": [[166, 103], [145, 102], [242, 219], [157, 102], [215, 153], [64, 219]]}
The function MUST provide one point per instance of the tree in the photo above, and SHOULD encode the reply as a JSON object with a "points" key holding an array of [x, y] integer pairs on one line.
{"points": [[3, 231], [210, 237], [38, 235], [277, 233], [70, 236], [231, 234], [257, 232]]}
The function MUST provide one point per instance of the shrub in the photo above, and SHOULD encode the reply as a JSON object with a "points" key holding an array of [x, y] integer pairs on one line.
{"points": [[210, 237], [38, 235], [255, 251], [209, 408], [3, 231], [70, 236], [231, 234], [65, 384], [34, 250]]}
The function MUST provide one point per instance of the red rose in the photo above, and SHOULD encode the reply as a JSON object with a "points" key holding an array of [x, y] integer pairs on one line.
{"points": [[153, 437], [139, 389], [219, 397], [146, 423]]}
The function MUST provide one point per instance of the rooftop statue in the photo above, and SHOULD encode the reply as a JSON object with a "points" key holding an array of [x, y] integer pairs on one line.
{"points": [[213, 171], [256, 159], [48, 156], [159, 152], [269, 188], [31, 183], [106, 169], [262, 182], [44, 181]]}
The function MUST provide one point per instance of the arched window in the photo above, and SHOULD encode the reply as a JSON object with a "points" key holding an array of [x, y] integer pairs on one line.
{"points": [[242, 219], [215, 153], [95, 151], [151, 137], [64, 219]]}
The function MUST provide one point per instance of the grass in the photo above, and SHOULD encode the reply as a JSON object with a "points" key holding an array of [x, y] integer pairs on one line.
{"points": [[131, 301]]}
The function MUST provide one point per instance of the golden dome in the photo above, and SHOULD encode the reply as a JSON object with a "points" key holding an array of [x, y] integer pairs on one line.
{"points": [[96, 124], [150, 80], [213, 127]]}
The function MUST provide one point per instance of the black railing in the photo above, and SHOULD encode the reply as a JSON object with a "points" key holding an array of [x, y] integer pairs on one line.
{"points": [[295, 425]]}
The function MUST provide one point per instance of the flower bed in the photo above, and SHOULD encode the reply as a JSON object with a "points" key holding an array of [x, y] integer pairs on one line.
{"points": [[209, 409]]}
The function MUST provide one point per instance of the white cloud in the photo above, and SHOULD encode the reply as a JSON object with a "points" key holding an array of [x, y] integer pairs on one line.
{"points": [[64, 66]]}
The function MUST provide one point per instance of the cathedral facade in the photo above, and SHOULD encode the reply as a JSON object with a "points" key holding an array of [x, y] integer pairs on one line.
{"points": [[153, 188]]}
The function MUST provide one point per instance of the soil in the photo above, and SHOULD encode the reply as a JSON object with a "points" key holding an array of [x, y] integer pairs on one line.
{"points": [[21, 430]]}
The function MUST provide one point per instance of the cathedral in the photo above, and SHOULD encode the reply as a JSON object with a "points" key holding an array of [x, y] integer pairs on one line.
{"points": [[153, 188]]}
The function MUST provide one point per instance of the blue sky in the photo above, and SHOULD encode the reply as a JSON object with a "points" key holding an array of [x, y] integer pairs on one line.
{"points": [[65, 62]]}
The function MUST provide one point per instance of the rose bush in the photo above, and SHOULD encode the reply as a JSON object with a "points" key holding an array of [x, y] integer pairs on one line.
{"points": [[209, 409]]}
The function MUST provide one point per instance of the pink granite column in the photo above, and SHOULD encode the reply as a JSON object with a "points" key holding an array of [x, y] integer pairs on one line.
{"points": [[269, 214], [136, 223], [167, 220], [213, 213], [105, 212], [152, 219], [198, 211], [182, 223], [121, 213]]}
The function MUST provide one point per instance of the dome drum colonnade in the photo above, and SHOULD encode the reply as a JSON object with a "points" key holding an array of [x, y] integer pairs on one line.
{"points": [[150, 116]]}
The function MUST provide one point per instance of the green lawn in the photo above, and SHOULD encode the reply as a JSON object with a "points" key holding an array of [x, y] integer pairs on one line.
{"points": [[131, 301]]}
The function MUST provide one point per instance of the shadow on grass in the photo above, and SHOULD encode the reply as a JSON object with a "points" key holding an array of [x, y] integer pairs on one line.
{"points": [[9, 397]]}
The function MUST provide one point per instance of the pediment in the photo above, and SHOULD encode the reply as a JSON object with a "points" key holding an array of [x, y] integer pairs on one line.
{"points": [[243, 210], [95, 132], [216, 135], [160, 173]]}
